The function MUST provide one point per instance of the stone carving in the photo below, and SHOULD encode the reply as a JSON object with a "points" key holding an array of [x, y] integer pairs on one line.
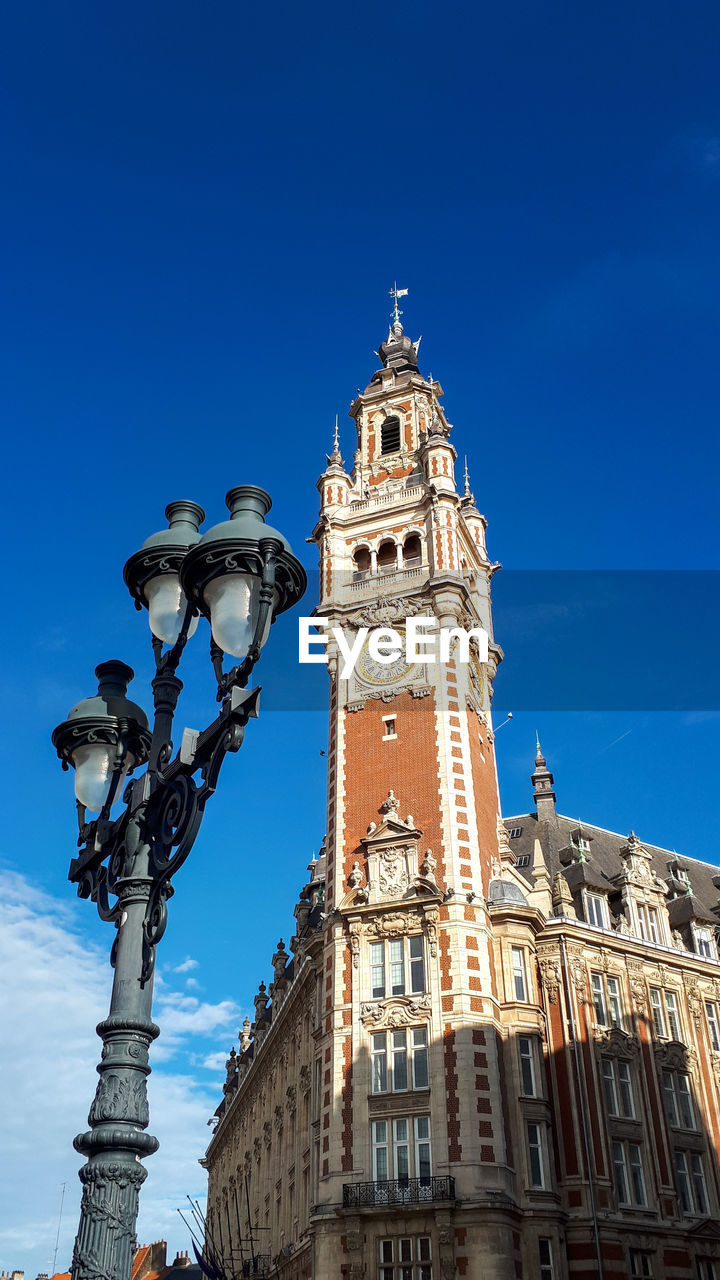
{"points": [[431, 920], [396, 1011], [694, 999], [278, 1118], [354, 1240], [550, 978], [617, 1043], [244, 1034], [391, 925], [280, 960], [291, 1099], [386, 610], [257, 1150], [305, 1078], [445, 1234], [356, 879], [429, 866], [392, 872], [636, 978], [267, 1134], [392, 804], [354, 940], [674, 1056]]}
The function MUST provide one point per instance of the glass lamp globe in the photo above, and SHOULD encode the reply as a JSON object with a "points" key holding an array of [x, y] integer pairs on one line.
{"points": [[233, 603], [94, 763], [166, 608], [152, 574]]}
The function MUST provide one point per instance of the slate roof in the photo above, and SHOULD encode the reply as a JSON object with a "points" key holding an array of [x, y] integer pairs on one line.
{"points": [[604, 856]]}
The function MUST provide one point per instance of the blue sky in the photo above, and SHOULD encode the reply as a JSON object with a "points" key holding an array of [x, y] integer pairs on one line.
{"points": [[202, 210]]}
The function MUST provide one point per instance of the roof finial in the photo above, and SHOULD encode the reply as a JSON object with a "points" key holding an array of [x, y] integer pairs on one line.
{"points": [[396, 312], [467, 493], [335, 458]]}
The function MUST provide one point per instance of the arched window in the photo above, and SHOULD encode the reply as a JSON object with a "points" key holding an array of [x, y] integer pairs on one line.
{"points": [[361, 561], [390, 436], [387, 557], [412, 551]]}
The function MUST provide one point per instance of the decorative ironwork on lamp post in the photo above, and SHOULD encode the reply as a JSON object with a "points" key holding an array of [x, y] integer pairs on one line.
{"points": [[240, 575]]}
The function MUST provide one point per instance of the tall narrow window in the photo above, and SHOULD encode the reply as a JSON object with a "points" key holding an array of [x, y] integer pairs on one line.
{"points": [[422, 1148], [535, 1156], [656, 1004], [595, 909], [713, 1024], [421, 1077], [629, 1174], [640, 1263], [380, 1150], [672, 1015], [417, 967], [378, 1057], [704, 943], [377, 969], [606, 998], [519, 978], [527, 1065], [390, 436], [690, 1177], [547, 1271], [397, 967]]}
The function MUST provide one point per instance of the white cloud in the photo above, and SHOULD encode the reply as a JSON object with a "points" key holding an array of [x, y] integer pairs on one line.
{"points": [[54, 988], [187, 964]]}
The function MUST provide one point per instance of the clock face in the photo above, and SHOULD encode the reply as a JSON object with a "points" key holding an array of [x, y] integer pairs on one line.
{"points": [[381, 673]]}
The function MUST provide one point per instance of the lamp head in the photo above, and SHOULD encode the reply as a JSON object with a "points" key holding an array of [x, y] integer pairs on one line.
{"points": [[223, 574], [152, 574], [104, 735]]}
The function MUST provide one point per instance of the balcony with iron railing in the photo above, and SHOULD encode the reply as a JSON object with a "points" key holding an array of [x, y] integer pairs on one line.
{"points": [[258, 1266], [397, 1191]]}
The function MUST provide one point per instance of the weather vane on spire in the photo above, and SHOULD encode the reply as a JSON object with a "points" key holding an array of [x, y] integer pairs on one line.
{"points": [[397, 293]]}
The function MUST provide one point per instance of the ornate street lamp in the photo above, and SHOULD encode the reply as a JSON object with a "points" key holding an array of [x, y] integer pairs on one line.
{"points": [[240, 575]]}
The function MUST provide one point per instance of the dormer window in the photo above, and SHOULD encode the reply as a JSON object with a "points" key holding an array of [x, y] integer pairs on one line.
{"points": [[704, 944], [584, 844], [595, 910], [390, 436], [648, 922]]}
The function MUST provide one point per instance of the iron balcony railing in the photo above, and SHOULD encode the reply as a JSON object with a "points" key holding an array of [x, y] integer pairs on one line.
{"points": [[359, 1195], [257, 1266]]}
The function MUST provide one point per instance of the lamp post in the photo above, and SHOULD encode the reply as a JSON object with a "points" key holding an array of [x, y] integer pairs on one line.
{"points": [[240, 575]]}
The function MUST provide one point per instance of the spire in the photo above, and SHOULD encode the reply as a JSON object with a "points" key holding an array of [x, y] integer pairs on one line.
{"points": [[542, 781], [335, 458], [468, 498], [398, 352]]}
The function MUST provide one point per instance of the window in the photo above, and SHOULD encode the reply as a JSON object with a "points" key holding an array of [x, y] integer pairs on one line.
{"points": [[399, 1060], [522, 860], [665, 1013], [678, 1099], [606, 998], [408, 1258], [519, 977], [713, 1024], [390, 436], [547, 1271], [617, 1088], [690, 1177], [595, 909], [390, 726], [704, 942], [361, 563], [648, 922], [401, 961], [515, 833], [526, 1049], [536, 1163], [412, 551], [584, 844], [387, 557], [629, 1176], [640, 1263], [707, 1269], [401, 1149]]}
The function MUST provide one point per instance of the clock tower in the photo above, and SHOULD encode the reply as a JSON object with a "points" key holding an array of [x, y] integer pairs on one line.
{"points": [[412, 1096]]}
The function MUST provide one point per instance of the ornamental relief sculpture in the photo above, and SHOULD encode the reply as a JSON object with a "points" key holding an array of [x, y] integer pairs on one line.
{"points": [[674, 1056], [392, 871], [396, 1011], [616, 1043]]}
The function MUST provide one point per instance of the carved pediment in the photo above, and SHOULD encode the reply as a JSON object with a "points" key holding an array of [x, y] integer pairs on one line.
{"points": [[391, 852], [396, 1011], [616, 1043], [707, 1230], [672, 1055]]}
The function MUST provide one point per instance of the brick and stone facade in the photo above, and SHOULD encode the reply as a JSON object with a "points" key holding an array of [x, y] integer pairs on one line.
{"points": [[459, 1067]]}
